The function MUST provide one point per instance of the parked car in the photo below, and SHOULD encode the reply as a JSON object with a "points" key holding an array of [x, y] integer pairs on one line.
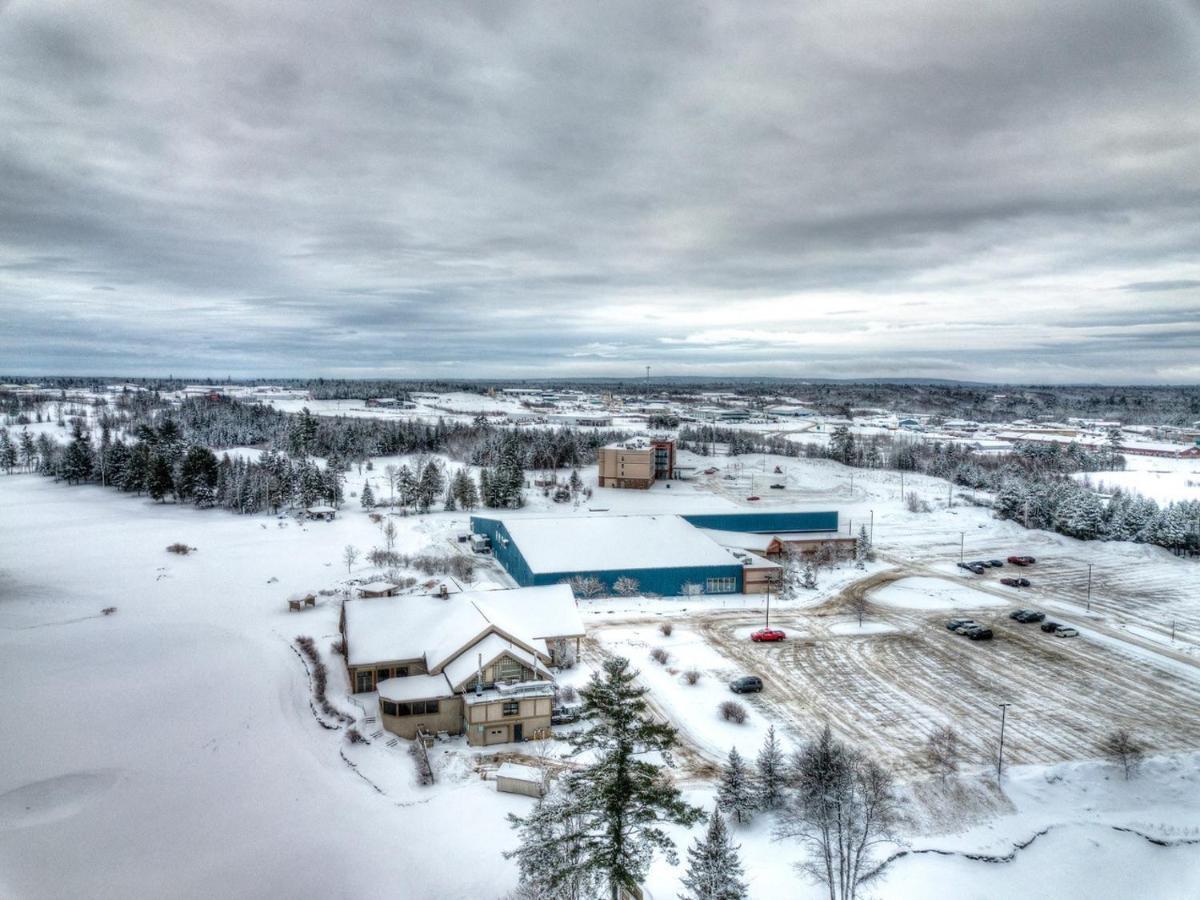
{"points": [[954, 623], [778, 487], [966, 626], [1066, 631], [963, 565], [710, 471], [996, 563], [746, 684], [1015, 582], [1022, 560], [1050, 626], [768, 634], [754, 498], [980, 634], [1027, 616], [564, 715], [977, 568]]}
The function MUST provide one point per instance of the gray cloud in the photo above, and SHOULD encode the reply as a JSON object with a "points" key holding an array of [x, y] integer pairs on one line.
{"points": [[523, 188]]}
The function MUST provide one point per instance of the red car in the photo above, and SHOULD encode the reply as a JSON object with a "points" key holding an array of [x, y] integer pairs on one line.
{"points": [[1022, 560], [768, 634], [754, 498], [710, 471]]}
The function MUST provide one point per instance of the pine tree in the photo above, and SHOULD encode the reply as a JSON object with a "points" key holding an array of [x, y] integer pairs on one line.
{"points": [[77, 462], [430, 486], [770, 780], [714, 868], [28, 451], [8, 452], [159, 480], [619, 801], [406, 485], [551, 851], [808, 577], [863, 551], [735, 792], [368, 496], [450, 504], [576, 483]]}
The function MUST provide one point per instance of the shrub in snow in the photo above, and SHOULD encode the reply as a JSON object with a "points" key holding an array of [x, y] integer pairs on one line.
{"points": [[181, 549], [732, 711], [355, 736], [109, 610], [567, 694], [1122, 748], [691, 676], [660, 656], [666, 628], [914, 503], [339, 646]]}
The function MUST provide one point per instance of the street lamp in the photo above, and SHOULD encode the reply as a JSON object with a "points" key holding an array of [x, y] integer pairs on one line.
{"points": [[1000, 755], [962, 543], [1089, 589]]}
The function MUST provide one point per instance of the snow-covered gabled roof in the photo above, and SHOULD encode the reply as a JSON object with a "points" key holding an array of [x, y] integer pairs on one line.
{"points": [[463, 668], [438, 629]]}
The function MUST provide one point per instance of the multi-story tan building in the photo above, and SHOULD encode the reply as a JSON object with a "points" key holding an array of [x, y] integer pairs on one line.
{"points": [[636, 463], [473, 663]]}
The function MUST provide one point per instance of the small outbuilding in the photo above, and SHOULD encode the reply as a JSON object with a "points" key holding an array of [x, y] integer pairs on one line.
{"points": [[512, 778], [378, 589], [323, 513]]}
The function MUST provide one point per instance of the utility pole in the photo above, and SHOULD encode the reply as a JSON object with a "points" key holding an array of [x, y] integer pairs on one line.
{"points": [[1000, 756], [950, 496], [962, 543], [901, 485], [647, 382], [872, 528], [1089, 589]]}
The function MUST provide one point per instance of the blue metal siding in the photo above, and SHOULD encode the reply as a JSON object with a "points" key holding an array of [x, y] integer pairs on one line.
{"points": [[665, 581], [766, 522]]}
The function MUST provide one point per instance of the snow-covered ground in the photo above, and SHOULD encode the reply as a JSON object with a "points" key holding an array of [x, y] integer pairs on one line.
{"points": [[1161, 479], [185, 753]]}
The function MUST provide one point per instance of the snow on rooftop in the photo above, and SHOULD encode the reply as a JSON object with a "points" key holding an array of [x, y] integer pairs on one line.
{"points": [[494, 645], [519, 773], [603, 543], [377, 587], [414, 687], [411, 627]]}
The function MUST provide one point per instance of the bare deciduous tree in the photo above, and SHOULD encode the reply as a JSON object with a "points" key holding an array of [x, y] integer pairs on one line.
{"points": [[942, 752], [1124, 749], [842, 805], [627, 587], [586, 586], [389, 534], [350, 557]]}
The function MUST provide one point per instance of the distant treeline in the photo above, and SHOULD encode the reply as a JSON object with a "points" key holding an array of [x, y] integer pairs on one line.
{"points": [[1177, 405], [1031, 484], [169, 455]]}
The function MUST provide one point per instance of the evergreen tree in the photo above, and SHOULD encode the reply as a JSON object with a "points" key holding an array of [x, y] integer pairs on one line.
{"points": [[450, 505], [551, 852], [735, 792], [841, 442], [808, 577], [8, 452], [368, 496], [76, 464], [28, 451], [429, 486], [159, 480], [714, 868], [863, 550], [619, 801], [576, 483], [771, 780], [406, 486]]}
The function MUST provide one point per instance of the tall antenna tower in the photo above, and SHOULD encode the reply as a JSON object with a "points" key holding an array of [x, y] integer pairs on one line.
{"points": [[647, 381]]}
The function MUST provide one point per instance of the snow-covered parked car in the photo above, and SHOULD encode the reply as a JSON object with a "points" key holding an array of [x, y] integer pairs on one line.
{"points": [[1066, 631]]}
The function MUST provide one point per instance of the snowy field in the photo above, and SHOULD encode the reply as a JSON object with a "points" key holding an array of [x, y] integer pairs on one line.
{"points": [[185, 753], [1161, 479]]}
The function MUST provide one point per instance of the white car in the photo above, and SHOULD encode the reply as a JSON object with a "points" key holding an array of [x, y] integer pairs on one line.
{"points": [[1066, 632]]}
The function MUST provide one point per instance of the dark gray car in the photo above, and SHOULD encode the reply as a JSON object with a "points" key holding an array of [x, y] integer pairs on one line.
{"points": [[746, 684]]}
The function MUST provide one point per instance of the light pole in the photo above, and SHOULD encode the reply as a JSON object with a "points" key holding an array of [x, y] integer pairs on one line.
{"points": [[872, 528], [962, 543], [1089, 589], [1000, 756]]}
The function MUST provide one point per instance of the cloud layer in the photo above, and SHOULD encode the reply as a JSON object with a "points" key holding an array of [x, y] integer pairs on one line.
{"points": [[1002, 191]]}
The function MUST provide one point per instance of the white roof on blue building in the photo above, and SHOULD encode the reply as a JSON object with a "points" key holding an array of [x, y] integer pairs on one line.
{"points": [[605, 543]]}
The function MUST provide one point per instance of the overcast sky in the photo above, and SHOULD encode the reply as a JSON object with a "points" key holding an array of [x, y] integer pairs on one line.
{"points": [[1001, 191]]}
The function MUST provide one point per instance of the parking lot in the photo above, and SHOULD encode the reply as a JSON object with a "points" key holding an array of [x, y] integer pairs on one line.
{"points": [[906, 674]]}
